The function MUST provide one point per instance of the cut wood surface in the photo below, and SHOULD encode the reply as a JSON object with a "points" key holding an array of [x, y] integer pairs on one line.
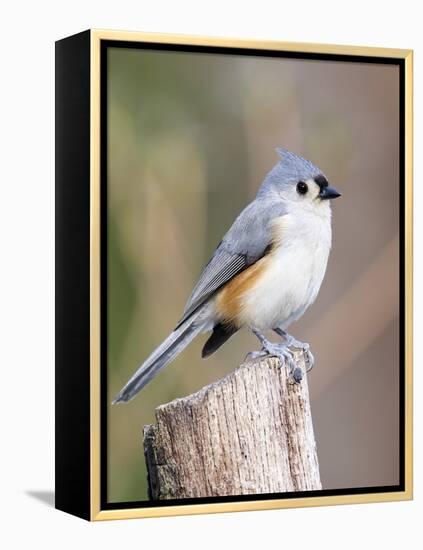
{"points": [[249, 433]]}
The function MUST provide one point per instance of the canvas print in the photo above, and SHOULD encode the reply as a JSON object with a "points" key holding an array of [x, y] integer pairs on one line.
{"points": [[251, 266]]}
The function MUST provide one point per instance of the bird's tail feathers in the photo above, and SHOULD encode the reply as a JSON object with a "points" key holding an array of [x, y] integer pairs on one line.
{"points": [[162, 355]]}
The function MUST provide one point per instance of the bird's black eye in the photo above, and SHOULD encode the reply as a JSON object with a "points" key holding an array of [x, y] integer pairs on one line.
{"points": [[302, 187]]}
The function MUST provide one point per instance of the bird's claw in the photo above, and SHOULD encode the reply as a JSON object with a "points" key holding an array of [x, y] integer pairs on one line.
{"points": [[282, 352], [304, 347], [252, 355], [309, 358]]}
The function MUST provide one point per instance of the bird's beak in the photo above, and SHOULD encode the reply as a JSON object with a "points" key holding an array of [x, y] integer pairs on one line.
{"points": [[329, 193]]}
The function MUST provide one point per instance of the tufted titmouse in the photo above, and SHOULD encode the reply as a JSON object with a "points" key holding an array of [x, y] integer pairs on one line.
{"points": [[265, 273]]}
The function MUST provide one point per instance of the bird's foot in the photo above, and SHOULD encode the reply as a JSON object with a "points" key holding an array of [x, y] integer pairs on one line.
{"points": [[252, 355], [305, 348], [282, 352], [292, 342]]}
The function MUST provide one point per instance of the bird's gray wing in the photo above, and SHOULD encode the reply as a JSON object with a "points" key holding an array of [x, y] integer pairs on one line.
{"points": [[248, 240]]}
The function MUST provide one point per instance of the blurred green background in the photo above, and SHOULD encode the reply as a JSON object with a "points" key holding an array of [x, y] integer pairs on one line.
{"points": [[190, 138]]}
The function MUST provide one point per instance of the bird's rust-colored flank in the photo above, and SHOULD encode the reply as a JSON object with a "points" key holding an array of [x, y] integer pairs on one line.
{"points": [[229, 300]]}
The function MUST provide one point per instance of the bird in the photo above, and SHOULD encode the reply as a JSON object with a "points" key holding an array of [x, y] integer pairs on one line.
{"points": [[264, 274]]}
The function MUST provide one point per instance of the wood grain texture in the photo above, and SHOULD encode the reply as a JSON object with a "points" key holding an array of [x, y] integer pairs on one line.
{"points": [[249, 433]]}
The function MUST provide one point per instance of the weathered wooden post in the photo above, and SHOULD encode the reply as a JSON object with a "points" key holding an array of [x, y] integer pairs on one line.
{"points": [[250, 432]]}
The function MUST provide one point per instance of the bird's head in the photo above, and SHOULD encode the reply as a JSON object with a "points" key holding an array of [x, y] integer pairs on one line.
{"points": [[296, 180]]}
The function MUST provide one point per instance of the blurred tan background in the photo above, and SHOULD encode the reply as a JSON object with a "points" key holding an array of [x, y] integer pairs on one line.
{"points": [[191, 137]]}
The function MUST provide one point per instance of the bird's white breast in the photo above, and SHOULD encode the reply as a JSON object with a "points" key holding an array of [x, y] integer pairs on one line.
{"points": [[293, 271]]}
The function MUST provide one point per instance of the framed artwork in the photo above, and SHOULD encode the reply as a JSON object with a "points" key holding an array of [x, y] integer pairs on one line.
{"points": [[239, 212]]}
